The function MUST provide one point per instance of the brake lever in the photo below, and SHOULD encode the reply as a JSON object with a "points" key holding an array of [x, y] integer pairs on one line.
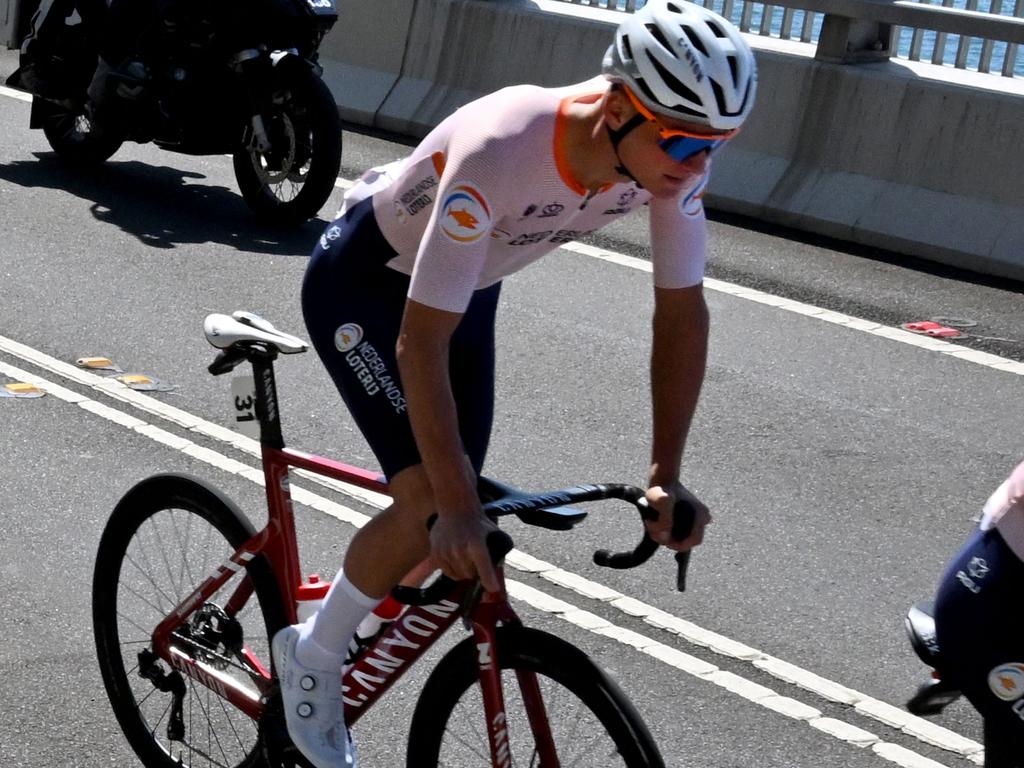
{"points": [[684, 516], [499, 544]]}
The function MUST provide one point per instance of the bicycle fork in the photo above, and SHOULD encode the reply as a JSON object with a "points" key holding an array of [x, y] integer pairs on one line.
{"points": [[489, 611]]}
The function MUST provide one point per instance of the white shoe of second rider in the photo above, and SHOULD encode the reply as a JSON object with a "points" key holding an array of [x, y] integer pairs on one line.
{"points": [[313, 707]]}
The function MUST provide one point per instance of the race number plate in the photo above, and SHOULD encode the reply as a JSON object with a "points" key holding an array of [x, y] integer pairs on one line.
{"points": [[243, 400]]}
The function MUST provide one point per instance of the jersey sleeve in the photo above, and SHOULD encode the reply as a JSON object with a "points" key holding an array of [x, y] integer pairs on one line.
{"points": [[453, 248], [679, 238]]}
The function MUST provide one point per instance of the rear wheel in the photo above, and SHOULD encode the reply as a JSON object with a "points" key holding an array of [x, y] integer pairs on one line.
{"points": [[289, 182], [592, 722], [164, 538], [74, 137]]}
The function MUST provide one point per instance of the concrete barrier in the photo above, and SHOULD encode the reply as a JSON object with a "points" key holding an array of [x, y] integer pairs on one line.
{"points": [[907, 157]]}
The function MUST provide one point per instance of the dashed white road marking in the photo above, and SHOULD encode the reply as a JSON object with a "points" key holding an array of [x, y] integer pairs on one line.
{"points": [[785, 672], [11, 93]]}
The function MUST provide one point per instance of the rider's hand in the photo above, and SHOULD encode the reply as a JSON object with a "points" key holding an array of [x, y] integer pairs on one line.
{"points": [[662, 498], [458, 546]]}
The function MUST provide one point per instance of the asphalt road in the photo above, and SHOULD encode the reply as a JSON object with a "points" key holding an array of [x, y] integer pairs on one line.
{"points": [[843, 467]]}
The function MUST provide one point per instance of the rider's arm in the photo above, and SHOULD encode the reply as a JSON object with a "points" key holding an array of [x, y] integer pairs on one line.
{"points": [[423, 343], [678, 356], [457, 536], [678, 353]]}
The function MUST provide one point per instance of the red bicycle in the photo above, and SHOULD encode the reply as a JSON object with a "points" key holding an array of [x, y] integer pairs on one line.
{"points": [[186, 593]]}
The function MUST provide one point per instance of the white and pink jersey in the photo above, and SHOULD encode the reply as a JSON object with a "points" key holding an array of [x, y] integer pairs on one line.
{"points": [[489, 191]]}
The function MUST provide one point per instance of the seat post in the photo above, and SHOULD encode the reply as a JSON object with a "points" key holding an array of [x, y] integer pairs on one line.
{"points": [[266, 397]]}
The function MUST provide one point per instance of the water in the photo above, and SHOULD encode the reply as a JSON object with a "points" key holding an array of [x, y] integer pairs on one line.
{"points": [[1003, 8]]}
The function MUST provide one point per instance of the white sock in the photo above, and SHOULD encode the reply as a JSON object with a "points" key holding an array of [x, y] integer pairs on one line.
{"points": [[324, 637]]}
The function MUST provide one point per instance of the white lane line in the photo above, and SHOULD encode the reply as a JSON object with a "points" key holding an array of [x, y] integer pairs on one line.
{"points": [[786, 672], [994, 362], [683, 662], [11, 93]]}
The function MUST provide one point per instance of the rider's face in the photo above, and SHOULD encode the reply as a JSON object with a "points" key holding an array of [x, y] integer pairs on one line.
{"points": [[666, 156], [654, 168]]}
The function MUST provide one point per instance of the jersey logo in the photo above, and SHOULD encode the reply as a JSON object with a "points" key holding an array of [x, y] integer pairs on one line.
{"points": [[348, 336], [465, 215], [1007, 681], [693, 202]]}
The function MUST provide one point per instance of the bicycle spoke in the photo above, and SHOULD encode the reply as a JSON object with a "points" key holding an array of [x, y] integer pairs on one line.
{"points": [[230, 722], [146, 573], [210, 730], [155, 608], [183, 545], [162, 550]]}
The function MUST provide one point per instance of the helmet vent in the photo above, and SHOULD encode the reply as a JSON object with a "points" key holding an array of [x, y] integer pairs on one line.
{"points": [[658, 35], [627, 49], [720, 99], [717, 30], [694, 40], [733, 68], [647, 91], [674, 84], [674, 8]]}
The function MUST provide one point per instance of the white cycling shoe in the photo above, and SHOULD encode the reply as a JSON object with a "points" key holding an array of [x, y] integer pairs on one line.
{"points": [[313, 708]]}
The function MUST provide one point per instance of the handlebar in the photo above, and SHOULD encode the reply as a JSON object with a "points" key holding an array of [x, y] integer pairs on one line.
{"points": [[500, 543], [683, 518]]}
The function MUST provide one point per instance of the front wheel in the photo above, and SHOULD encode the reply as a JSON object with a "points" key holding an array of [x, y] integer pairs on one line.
{"points": [[289, 182], [164, 538], [591, 720], [74, 137]]}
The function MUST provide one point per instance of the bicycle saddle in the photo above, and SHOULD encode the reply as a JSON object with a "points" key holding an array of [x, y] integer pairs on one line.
{"points": [[224, 331]]}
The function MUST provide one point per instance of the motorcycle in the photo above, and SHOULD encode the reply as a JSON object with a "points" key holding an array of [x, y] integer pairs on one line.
{"points": [[937, 694], [222, 77]]}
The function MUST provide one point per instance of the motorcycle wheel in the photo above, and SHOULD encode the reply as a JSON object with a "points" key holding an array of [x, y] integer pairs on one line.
{"points": [[74, 138], [288, 184]]}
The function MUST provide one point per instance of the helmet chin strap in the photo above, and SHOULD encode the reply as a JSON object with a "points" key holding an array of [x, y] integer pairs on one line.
{"points": [[616, 135]]}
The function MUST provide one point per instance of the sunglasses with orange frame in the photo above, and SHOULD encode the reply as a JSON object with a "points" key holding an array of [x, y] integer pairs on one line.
{"points": [[677, 143]]}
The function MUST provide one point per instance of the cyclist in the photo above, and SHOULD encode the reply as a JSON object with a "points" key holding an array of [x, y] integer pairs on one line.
{"points": [[400, 296], [978, 619]]}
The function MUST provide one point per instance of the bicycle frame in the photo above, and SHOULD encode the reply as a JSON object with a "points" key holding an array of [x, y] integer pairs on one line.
{"points": [[395, 651]]}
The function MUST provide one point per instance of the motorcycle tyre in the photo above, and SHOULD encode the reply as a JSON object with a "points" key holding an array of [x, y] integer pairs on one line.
{"points": [[325, 126], [71, 146]]}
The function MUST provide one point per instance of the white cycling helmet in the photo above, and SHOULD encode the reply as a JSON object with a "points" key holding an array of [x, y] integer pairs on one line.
{"points": [[685, 62]]}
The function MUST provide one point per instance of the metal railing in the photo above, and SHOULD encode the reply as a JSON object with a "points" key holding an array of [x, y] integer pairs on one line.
{"points": [[984, 40]]}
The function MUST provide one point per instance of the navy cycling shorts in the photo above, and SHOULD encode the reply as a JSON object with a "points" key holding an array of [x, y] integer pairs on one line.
{"points": [[353, 305], [980, 628]]}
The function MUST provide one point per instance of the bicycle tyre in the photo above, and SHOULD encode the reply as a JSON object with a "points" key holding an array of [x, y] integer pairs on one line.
{"points": [[183, 508], [440, 728]]}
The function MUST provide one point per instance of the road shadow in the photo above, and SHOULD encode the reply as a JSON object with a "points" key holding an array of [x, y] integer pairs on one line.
{"points": [[163, 207]]}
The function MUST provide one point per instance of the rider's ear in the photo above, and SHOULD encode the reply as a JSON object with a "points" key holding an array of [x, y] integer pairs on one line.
{"points": [[617, 107]]}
